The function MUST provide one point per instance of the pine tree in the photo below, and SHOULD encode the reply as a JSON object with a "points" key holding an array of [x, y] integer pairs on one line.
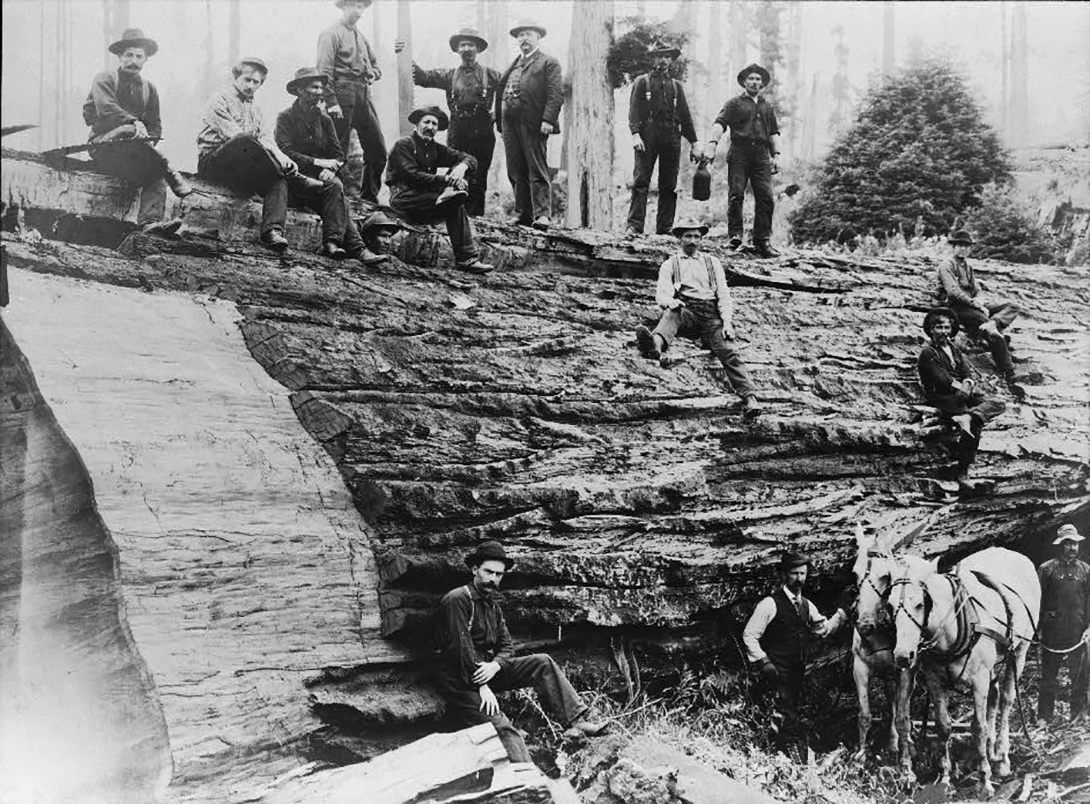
{"points": [[918, 148]]}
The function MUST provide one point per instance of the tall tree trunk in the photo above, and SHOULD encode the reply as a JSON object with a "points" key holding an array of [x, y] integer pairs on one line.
{"points": [[590, 157], [889, 52], [404, 67], [499, 56], [1019, 106]]}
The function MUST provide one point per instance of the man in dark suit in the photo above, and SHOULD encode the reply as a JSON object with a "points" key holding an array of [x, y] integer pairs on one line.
{"points": [[528, 102]]}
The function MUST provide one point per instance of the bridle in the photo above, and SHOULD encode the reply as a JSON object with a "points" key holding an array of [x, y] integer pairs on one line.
{"points": [[965, 637]]}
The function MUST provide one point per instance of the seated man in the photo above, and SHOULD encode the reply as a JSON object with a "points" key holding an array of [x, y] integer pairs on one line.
{"points": [[122, 110], [692, 289], [477, 659], [421, 195], [235, 149], [378, 232], [948, 386], [306, 134], [958, 290]]}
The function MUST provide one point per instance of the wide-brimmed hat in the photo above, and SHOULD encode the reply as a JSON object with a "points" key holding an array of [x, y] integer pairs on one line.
{"points": [[662, 49], [469, 33], [379, 220], [421, 111], [489, 551], [533, 26], [1068, 533], [134, 37], [960, 236], [790, 560], [689, 225], [304, 75], [766, 77], [935, 313]]}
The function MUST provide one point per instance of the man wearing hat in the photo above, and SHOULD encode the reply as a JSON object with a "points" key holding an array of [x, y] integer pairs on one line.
{"points": [[471, 93], [658, 117], [122, 110], [776, 638], [305, 133], [346, 58], [477, 659], [958, 289], [692, 290], [948, 385], [754, 146], [1065, 624], [528, 101], [420, 194], [378, 230]]}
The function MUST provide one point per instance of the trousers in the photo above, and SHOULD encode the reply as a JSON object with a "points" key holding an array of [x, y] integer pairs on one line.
{"points": [[141, 164], [330, 202], [418, 206], [527, 169], [750, 163], [354, 98], [1003, 315], [243, 164], [474, 135], [701, 319], [662, 143], [538, 670], [981, 409], [1077, 667], [786, 728]]}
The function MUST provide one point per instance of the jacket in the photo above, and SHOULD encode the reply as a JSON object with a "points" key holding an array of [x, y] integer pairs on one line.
{"points": [[305, 135], [641, 112], [470, 628], [1065, 601], [541, 92], [938, 373]]}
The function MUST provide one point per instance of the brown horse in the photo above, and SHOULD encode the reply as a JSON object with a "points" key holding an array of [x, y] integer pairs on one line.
{"points": [[970, 629]]}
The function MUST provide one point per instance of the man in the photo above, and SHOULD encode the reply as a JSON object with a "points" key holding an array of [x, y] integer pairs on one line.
{"points": [[658, 117], [692, 290], [122, 110], [477, 659], [776, 638], [754, 146], [345, 57], [1065, 624], [378, 234], [420, 194], [949, 386], [528, 102], [958, 289], [236, 149], [471, 92], [305, 133]]}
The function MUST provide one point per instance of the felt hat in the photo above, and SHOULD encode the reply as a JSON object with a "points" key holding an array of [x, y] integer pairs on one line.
{"points": [[379, 220], [134, 37], [689, 225], [340, 3], [960, 236], [766, 77], [661, 49], [533, 26], [489, 551], [935, 313], [435, 111], [254, 61], [1068, 533], [304, 75], [790, 560], [472, 34]]}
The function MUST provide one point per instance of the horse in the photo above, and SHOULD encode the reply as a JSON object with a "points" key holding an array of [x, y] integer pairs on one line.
{"points": [[970, 629], [876, 568]]}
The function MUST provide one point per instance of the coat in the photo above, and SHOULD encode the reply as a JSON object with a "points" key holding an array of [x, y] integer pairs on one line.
{"points": [[541, 89]]}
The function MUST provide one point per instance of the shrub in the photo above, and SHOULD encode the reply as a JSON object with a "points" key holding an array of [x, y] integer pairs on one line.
{"points": [[1004, 230], [628, 57]]}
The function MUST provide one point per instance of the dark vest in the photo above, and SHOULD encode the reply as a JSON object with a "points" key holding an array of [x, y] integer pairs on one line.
{"points": [[786, 636]]}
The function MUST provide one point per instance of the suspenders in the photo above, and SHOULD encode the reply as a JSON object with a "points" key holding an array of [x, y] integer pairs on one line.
{"points": [[675, 272]]}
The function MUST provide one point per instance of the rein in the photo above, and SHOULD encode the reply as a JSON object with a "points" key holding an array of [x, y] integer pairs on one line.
{"points": [[964, 638]]}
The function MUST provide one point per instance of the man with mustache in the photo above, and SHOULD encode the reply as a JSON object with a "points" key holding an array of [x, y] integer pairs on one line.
{"points": [[122, 110], [1065, 624], [471, 91], [420, 194], [477, 659], [776, 637]]}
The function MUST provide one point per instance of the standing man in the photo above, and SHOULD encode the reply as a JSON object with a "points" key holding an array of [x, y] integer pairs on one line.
{"points": [[477, 659], [471, 94], [122, 110], [948, 385], [754, 146], [528, 103], [420, 194], [1065, 624], [958, 289], [346, 58], [692, 290], [658, 117], [776, 637]]}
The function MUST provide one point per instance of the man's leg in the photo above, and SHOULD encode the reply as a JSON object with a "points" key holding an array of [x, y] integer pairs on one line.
{"points": [[1046, 692], [353, 241], [1004, 314], [459, 230], [760, 178], [367, 126], [669, 149], [1080, 680], [641, 180], [334, 211], [984, 408], [541, 188], [517, 170], [678, 321], [736, 189], [153, 202], [475, 137], [540, 671], [346, 99], [274, 208], [464, 709], [711, 333]]}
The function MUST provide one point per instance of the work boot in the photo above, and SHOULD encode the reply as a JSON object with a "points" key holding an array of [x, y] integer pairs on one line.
{"points": [[751, 408], [645, 342], [301, 182], [965, 422], [965, 485], [368, 257], [631, 232], [765, 250], [448, 193], [1017, 391], [585, 727], [333, 251], [178, 184], [734, 243], [163, 228], [542, 222], [517, 221], [474, 266], [275, 240]]}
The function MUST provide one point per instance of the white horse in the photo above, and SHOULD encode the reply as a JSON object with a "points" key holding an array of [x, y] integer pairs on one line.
{"points": [[876, 568], [971, 629]]}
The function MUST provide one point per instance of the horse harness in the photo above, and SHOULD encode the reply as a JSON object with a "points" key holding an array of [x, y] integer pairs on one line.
{"points": [[883, 631]]}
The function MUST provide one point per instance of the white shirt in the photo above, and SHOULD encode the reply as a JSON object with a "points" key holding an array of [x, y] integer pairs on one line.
{"points": [[820, 626], [694, 283]]}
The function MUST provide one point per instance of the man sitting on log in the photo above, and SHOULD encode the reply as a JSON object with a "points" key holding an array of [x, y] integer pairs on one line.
{"points": [[776, 636], [236, 149], [949, 386], [692, 289], [420, 194], [478, 659], [122, 110], [306, 134]]}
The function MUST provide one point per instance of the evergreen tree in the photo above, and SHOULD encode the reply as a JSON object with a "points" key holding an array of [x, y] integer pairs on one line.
{"points": [[919, 149]]}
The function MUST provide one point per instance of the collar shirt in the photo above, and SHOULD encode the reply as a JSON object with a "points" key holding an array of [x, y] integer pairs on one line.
{"points": [[748, 118], [306, 133], [227, 115], [471, 629], [693, 282], [345, 53], [117, 98], [415, 161], [820, 626], [956, 282]]}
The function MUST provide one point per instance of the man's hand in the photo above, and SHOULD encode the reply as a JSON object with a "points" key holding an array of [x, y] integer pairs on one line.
{"points": [[287, 165], [485, 672], [334, 111], [457, 173], [489, 705], [637, 143], [773, 166], [728, 330], [326, 175], [399, 45], [769, 672], [673, 304], [547, 128], [140, 129], [376, 71], [327, 164], [708, 151]]}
